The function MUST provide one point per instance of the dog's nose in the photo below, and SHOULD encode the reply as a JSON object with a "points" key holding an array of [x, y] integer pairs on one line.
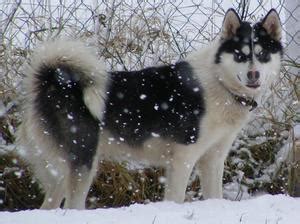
{"points": [[253, 76]]}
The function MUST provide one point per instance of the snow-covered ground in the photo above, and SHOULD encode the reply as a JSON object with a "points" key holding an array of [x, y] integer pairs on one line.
{"points": [[265, 209]]}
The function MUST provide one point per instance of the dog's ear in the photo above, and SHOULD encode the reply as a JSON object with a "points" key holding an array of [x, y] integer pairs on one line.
{"points": [[272, 24], [231, 23]]}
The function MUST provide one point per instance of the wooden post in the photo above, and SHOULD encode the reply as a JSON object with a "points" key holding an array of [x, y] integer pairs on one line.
{"points": [[294, 176], [292, 27]]}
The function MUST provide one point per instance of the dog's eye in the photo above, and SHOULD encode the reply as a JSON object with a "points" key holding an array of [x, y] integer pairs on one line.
{"points": [[239, 56], [263, 56]]}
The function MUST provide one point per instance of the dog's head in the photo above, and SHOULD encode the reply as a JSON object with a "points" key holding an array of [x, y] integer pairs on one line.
{"points": [[249, 56]]}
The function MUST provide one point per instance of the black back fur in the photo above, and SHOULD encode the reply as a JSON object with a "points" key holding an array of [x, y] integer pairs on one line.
{"points": [[165, 101]]}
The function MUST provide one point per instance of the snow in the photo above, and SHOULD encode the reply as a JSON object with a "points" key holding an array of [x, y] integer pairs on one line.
{"points": [[266, 209]]}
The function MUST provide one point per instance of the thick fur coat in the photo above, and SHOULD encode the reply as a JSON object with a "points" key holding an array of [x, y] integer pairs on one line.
{"points": [[176, 116]]}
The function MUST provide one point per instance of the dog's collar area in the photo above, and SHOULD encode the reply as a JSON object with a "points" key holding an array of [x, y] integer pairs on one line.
{"points": [[246, 102]]}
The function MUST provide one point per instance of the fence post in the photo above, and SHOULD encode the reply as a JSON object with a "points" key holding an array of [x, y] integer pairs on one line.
{"points": [[294, 175], [292, 27]]}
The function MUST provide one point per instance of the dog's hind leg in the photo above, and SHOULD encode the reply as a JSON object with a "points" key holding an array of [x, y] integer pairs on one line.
{"points": [[52, 173], [54, 195], [79, 183]]}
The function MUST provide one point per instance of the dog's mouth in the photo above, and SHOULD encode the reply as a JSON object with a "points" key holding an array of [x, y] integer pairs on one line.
{"points": [[250, 85], [253, 85]]}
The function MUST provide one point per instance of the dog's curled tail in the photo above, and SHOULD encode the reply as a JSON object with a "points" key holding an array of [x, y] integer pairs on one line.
{"points": [[66, 69], [65, 89]]}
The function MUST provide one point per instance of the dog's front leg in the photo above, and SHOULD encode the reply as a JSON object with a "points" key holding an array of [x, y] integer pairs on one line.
{"points": [[211, 166], [178, 172]]}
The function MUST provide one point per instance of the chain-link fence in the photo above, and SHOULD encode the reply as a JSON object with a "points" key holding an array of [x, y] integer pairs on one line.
{"points": [[133, 34]]}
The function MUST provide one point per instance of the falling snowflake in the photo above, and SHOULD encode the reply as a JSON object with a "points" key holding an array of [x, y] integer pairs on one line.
{"points": [[143, 96], [155, 135]]}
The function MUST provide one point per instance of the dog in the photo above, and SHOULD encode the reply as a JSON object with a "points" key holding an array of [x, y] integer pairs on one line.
{"points": [[176, 116]]}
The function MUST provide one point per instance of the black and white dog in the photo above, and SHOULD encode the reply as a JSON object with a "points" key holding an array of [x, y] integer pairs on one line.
{"points": [[175, 116]]}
